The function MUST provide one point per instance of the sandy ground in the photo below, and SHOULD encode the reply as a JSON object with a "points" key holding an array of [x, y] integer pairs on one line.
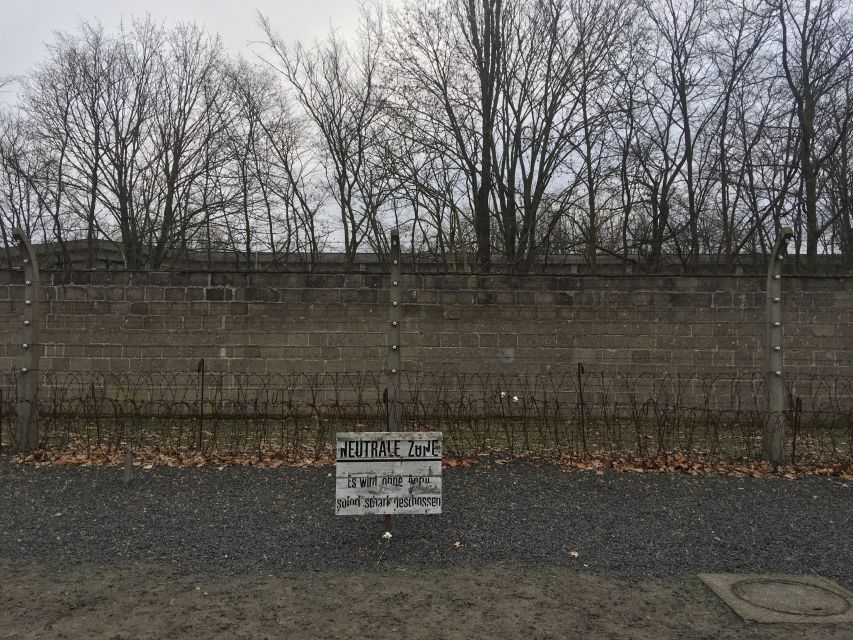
{"points": [[151, 601]]}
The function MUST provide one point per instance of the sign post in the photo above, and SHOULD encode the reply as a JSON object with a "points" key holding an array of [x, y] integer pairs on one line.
{"points": [[388, 472]]}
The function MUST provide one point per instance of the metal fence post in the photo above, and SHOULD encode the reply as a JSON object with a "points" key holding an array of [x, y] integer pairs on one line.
{"points": [[200, 404], [26, 429], [773, 441]]}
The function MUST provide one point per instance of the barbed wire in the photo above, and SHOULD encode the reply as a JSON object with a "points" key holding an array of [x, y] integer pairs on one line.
{"points": [[574, 412]]}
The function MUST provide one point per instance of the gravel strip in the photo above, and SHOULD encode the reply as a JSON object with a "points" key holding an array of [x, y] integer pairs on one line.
{"points": [[631, 526]]}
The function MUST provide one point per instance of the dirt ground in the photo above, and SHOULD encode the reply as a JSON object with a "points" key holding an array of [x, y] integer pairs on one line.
{"points": [[151, 601]]}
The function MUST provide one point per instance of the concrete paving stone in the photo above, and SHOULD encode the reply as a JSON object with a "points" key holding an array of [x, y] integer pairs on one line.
{"points": [[777, 598]]}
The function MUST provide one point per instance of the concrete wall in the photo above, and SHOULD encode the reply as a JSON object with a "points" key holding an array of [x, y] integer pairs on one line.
{"points": [[284, 323]]}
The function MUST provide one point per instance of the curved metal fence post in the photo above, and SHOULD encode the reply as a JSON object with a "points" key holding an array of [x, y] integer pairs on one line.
{"points": [[26, 427], [394, 407], [773, 441]]}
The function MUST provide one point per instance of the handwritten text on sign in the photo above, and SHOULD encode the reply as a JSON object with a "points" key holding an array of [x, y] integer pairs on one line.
{"points": [[388, 473]]}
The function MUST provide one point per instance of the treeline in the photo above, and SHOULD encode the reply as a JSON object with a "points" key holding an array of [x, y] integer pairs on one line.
{"points": [[522, 129]]}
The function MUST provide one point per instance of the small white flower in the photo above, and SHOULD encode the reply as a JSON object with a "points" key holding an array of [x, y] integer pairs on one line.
{"points": [[503, 394], [515, 398], [386, 535]]}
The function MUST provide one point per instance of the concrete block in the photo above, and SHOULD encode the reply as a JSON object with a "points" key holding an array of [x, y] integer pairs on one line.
{"points": [[175, 294], [823, 330], [218, 294], [155, 294]]}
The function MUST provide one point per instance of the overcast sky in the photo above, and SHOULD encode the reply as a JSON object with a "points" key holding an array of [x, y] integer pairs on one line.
{"points": [[25, 25]]}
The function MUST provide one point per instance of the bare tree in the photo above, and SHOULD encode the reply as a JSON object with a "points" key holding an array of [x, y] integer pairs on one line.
{"points": [[338, 88], [185, 123], [816, 46], [480, 128], [839, 169], [18, 202], [538, 122], [62, 100], [600, 37], [682, 29], [446, 58]]}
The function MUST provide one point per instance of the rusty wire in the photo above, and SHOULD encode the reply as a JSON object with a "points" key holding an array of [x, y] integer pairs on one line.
{"points": [[574, 412]]}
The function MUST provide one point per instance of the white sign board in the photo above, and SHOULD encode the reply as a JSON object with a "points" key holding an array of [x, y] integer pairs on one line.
{"points": [[388, 473]]}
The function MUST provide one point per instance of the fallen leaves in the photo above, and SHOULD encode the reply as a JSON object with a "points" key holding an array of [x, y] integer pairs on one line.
{"points": [[696, 465], [462, 463], [678, 462], [147, 459]]}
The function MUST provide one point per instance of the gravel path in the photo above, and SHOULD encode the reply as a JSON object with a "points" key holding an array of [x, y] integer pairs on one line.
{"points": [[632, 526]]}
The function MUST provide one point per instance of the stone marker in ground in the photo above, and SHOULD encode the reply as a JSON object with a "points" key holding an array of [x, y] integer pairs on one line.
{"points": [[388, 473], [782, 598], [128, 468]]}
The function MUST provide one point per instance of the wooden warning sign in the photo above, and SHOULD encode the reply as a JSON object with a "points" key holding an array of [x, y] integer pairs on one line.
{"points": [[388, 473]]}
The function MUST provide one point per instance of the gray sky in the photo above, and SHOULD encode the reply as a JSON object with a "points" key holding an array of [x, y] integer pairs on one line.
{"points": [[26, 25]]}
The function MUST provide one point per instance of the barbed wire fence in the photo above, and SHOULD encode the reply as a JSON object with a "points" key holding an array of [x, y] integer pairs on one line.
{"points": [[575, 412]]}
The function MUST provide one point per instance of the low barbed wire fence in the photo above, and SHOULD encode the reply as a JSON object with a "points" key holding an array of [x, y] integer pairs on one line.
{"points": [[574, 412]]}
